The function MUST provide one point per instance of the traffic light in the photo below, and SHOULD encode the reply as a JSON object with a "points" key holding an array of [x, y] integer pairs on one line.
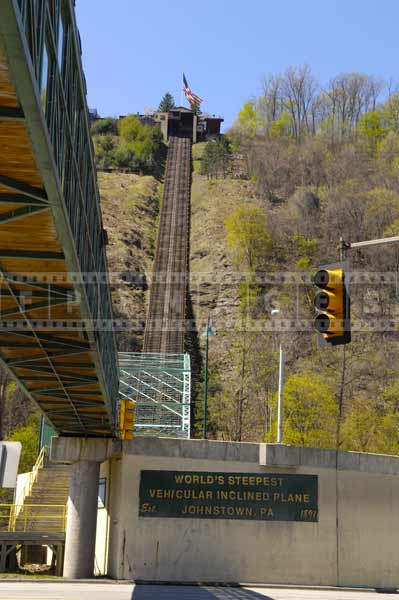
{"points": [[333, 305], [126, 419]]}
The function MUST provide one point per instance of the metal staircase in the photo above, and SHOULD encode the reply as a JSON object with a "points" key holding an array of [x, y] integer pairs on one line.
{"points": [[39, 515], [43, 506]]}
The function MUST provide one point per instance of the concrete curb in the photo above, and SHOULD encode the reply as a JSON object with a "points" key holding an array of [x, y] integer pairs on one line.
{"points": [[62, 580], [199, 584]]}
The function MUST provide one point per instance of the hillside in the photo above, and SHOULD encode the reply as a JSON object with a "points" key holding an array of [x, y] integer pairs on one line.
{"points": [[351, 390], [130, 206]]}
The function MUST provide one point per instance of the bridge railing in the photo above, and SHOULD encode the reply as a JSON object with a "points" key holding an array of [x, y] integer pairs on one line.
{"points": [[54, 48]]}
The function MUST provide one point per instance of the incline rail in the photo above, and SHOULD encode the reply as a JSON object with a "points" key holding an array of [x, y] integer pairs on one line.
{"points": [[165, 327]]}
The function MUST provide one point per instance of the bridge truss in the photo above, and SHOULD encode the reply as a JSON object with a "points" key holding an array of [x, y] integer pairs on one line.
{"points": [[56, 335]]}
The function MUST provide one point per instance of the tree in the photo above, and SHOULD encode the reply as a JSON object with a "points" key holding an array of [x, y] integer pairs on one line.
{"points": [[139, 141], [247, 237], [361, 425], [249, 120], [167, 103], [216, 158], [299, 88], [310, 411], [106, 126], [371, 128], [28, 435], [391, 113]]}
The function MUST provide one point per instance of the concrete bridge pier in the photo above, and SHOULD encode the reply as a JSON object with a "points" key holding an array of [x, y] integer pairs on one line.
{"points": [[80, 540], [86, 455]]}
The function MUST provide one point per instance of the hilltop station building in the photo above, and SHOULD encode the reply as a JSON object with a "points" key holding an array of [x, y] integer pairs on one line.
{"points": [[181, 122]]}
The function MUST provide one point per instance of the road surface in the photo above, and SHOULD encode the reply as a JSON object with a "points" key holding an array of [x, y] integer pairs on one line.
{"points": [[29, 590]]}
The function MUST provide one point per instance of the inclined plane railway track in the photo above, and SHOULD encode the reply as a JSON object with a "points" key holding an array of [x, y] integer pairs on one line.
{"points": [[165, 327]]}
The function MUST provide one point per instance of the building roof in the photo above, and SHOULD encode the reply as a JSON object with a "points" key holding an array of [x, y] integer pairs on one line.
{"points": [[181, 109]]}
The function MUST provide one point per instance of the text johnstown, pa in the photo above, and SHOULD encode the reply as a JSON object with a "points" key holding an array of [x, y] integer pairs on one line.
{"points": [[258, 496]]}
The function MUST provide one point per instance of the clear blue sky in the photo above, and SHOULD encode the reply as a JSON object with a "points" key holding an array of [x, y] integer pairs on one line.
{"points": [[134, 51]]}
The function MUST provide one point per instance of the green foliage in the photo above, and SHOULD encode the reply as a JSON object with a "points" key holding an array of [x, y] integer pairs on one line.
{"points": [[167, 103], [372, 423], [106, 126], [28, 435], [247, 237], [128, 144], [321, 164], [305, 247], [249, 120], [390, 112], [310, 411], [104, 149], [281, 127], [371, 128], [131, 129], [215, 159], [361, 425], [125, 157], [388, 153], [382, 210], [248, 292]]}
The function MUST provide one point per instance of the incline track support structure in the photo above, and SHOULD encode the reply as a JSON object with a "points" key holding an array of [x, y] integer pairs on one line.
{"points": [[160, 387], [56, 334]]}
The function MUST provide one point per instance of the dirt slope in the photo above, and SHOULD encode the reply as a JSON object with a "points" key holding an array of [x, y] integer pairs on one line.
{"points": [[130, 206]]}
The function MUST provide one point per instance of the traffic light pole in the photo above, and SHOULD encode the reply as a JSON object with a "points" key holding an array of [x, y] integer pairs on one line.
{"points": [[345, 246], [204, 435]]}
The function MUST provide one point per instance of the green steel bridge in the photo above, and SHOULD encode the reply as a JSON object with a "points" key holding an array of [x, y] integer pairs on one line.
{"points": [[56, 334]]}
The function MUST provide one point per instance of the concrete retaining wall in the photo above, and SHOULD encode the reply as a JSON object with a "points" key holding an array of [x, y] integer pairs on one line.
{"points": [[353, 544]]}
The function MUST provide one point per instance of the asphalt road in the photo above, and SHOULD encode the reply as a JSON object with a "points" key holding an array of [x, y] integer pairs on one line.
{"points": [[23, 590]]}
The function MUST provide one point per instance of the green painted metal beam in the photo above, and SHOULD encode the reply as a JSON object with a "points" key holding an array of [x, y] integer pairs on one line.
{"points": [[27, 308], [31, 254], [8, 198], [21, 213], [23, 188], [10, 113]]}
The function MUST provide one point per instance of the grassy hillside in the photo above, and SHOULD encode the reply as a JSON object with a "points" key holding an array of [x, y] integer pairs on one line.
{"points": [[130, 206]]}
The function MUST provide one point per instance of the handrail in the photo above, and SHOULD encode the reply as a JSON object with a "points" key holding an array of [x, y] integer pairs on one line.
{"points": [[24, 517], [33, 476]]}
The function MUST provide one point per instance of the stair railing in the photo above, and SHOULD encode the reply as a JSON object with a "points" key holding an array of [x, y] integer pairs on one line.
{"points": [[30, 517], [31, 480]]}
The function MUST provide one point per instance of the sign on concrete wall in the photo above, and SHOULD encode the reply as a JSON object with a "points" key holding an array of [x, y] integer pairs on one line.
{"points": [[205, 495]]}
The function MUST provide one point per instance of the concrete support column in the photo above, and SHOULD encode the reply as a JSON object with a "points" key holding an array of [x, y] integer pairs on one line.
{"points": [[86, 455], [80, 539]]}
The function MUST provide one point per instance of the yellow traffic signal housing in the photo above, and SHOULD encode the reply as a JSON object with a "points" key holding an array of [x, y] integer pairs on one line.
{"points": [[126, 419], [333, 305]]}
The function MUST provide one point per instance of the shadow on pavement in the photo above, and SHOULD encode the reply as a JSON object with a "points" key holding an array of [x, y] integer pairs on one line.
{"points": [[178, 592]]}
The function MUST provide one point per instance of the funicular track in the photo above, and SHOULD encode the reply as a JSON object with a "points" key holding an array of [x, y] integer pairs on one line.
{"points": [[165, 328]]}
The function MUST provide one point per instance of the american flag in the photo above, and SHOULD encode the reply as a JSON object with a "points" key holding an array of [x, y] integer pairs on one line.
{"points": [[191, 97]]}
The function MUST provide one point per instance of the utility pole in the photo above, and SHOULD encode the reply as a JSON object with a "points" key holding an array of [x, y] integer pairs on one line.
{"points": [[208, 332], [280, 396]]}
